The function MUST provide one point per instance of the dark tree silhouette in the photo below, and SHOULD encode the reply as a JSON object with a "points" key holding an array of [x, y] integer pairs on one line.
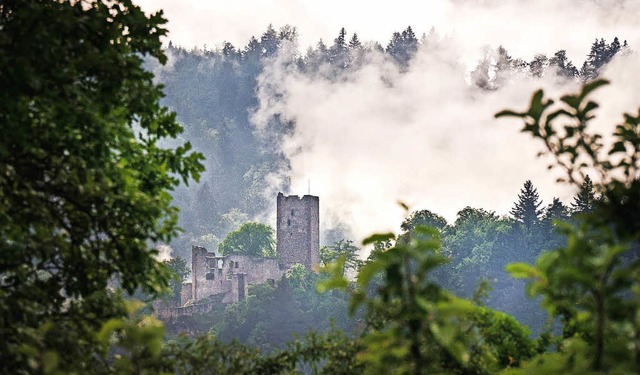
{"points": [[586, 198], [527, 209]]}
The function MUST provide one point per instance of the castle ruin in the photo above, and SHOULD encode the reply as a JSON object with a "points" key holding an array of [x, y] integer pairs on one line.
{"points": [[226, 278], [298, 231]]}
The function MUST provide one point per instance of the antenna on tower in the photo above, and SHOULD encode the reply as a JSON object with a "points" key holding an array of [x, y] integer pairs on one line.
{"points": [[309, 185]]}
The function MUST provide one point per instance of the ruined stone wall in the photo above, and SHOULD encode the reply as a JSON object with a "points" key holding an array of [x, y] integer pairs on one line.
{"points": [[186, 294], [173, 313], [298, 230], [217, 275], [258, 270], [199, 270], [206, 278]]}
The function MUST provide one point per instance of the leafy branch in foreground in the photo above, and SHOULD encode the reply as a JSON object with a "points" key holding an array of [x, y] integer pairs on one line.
{"points": [[593, 283], [84, 180]]}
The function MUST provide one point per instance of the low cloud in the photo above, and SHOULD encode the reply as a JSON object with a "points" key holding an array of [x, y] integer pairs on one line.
{"points": [[426, 137]]}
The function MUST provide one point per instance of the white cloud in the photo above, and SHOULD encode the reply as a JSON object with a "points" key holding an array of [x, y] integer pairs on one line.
{"points": [[524, 27], [424, 137]]}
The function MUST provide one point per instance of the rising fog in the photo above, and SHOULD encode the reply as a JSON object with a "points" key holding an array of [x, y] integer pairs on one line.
{"points": [[424, 136]]}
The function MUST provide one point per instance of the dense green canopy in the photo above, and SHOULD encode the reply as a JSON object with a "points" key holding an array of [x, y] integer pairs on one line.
{"points": [[84, 184]]}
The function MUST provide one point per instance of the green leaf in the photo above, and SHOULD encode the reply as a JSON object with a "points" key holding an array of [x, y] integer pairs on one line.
{"points": [[379, 237], [509, 113], [522, 270], [108, 328], [591, 86], [618, 147], [369, 270]]}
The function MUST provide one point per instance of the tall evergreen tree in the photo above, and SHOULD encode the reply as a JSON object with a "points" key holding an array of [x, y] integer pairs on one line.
{"points": [[355, 51], [527, 209], [338, 51], [586, 198], [481, 75], [538, 65], [354, 42], [563, 65], [269, 42], [556, 211], [403, 46], [600, 54], [229, 51], [503, 66], [252, 48]]}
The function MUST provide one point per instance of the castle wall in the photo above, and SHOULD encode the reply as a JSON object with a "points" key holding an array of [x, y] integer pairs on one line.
{"points": [[298, 241], [298, 230], [198, 270], [186, 294], [258, 270], [218, 275]]}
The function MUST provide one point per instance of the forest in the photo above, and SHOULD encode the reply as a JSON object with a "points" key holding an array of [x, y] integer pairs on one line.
{"points": [[119, 150]]}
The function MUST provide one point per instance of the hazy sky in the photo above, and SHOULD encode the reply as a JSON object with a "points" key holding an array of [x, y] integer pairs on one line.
{"points": [[525, 27], [425, 136]]}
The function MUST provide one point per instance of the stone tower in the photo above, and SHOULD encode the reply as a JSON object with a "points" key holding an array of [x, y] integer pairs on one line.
{"points": [[298, 230]]}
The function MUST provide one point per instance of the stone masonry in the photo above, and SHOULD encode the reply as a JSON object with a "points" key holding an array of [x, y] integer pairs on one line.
{"points": [[227, 277], [298, 230]]}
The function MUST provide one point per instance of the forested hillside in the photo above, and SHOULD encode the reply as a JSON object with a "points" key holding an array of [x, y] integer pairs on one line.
{"points": [[215, 95]]}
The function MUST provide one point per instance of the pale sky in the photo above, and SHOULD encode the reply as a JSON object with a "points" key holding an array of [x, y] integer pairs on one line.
{"points": [[524, 27]]}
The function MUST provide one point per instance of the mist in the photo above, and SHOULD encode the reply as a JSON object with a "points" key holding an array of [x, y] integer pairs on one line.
{"points": [[421, 135], [523, 27]]}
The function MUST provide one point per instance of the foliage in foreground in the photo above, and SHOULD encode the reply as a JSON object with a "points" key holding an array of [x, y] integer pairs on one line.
{"points": [[421, 328], [84, 182], [593, 283]]}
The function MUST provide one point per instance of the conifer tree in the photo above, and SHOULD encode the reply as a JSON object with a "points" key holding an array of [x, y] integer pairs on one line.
{"points": [[538, 65], [564, 67], [338, 52], [269, 42], [403, 46], [527, 209], [586, 198], [354, 42], [556, 210]]}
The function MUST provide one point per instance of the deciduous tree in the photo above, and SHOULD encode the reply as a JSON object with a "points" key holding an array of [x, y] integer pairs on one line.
{"points": [[84, 182], [250, 239]]}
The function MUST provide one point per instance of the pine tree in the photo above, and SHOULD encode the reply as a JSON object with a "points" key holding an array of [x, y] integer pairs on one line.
{"points": [[527, 209], [403, 46], [355, 43], [338, 52], [502, 67], [601, 54], [585, 200], [556, 211], [539, 65], [481, 75], [355, 51], [229, 51], [269, 42], [564, 67]]}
